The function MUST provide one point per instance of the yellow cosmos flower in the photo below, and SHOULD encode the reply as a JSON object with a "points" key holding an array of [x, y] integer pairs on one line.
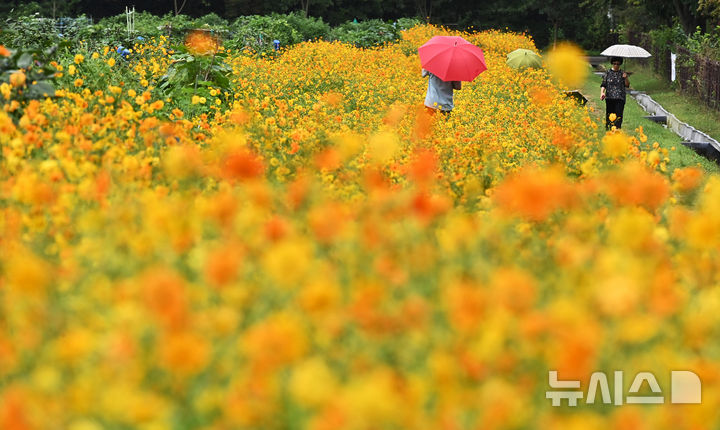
{"points": [[615, 144], [567, 64], [383, 146], [312, 382], [5, 90]]}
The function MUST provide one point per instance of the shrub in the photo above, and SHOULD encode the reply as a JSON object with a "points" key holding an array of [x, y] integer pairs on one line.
{"points": [[309, 27], [212, 20], [197, 70], [407, 23], [258, 32], [365, 34], [29, 32]]}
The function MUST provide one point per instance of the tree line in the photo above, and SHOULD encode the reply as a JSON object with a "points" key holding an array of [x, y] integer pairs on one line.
{"points": [[592, 23]]}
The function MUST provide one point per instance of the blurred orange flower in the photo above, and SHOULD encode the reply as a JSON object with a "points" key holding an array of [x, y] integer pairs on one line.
{"points": [[687, 179], [535, 193], [164, 295], [184, 353], [649, 189], [200, 42], [244, 165]]}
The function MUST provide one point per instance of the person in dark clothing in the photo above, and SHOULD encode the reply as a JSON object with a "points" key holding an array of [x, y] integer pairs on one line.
{"points": [[612, 90]]}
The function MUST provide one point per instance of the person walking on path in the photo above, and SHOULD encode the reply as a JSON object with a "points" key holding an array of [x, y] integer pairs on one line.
{"points": [[439, 95], [612, 90]]}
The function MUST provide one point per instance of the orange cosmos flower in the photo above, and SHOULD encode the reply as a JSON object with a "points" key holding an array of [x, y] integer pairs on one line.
{"points": [[423, 168], [327, 221], [184, 353], [17, 79], [466, 304], [423, 123], [513, 289], [243, 165], [649, 189], [540, 96], [276, 228], [426, 206], [13, 411], [279, 339], [4, 52], [223, 264], [687, 179], [165, 297], [328, 159], [575, 348], [535, 193], [562, 138], [201, 42]]}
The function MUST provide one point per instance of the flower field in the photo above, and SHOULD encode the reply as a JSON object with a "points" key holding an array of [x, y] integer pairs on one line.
{"points": [[307, 248]]}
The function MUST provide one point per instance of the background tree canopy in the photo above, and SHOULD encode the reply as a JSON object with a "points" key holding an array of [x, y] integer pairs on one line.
{"points": [[591, 23]]}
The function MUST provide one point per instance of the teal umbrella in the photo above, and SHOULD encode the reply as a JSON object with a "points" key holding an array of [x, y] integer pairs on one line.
{"points": [[523, 58]]}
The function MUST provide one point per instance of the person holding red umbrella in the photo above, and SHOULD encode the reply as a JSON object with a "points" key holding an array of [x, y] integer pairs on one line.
{"points": [[448, 60], [439, 95]]}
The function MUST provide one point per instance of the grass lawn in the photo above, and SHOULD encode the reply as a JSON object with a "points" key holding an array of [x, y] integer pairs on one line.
{"points": [[644, 80]]}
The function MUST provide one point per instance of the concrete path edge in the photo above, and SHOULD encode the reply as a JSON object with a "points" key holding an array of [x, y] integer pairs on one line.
{"points": [[685, 131]]}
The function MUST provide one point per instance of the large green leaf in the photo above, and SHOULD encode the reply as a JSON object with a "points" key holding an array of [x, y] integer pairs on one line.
{"points": [[25, 60], [40, 90]]}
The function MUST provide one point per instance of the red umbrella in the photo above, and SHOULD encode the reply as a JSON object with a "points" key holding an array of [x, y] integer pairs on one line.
{"points": [[452, 58]]}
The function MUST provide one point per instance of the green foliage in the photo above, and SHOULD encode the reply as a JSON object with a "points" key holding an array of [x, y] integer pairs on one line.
{"points": [[38, 75], [406, 23], [44, 8], [211, 20], [196, 75], [97, 74], [257, 32], [31, 32], [309, 27], [36, 32], [112, 31], [706, 44], [667, 36], [365, 34]]}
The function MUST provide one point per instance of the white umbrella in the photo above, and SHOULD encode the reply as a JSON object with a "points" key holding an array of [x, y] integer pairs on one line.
{"points": [[626, 51]]}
